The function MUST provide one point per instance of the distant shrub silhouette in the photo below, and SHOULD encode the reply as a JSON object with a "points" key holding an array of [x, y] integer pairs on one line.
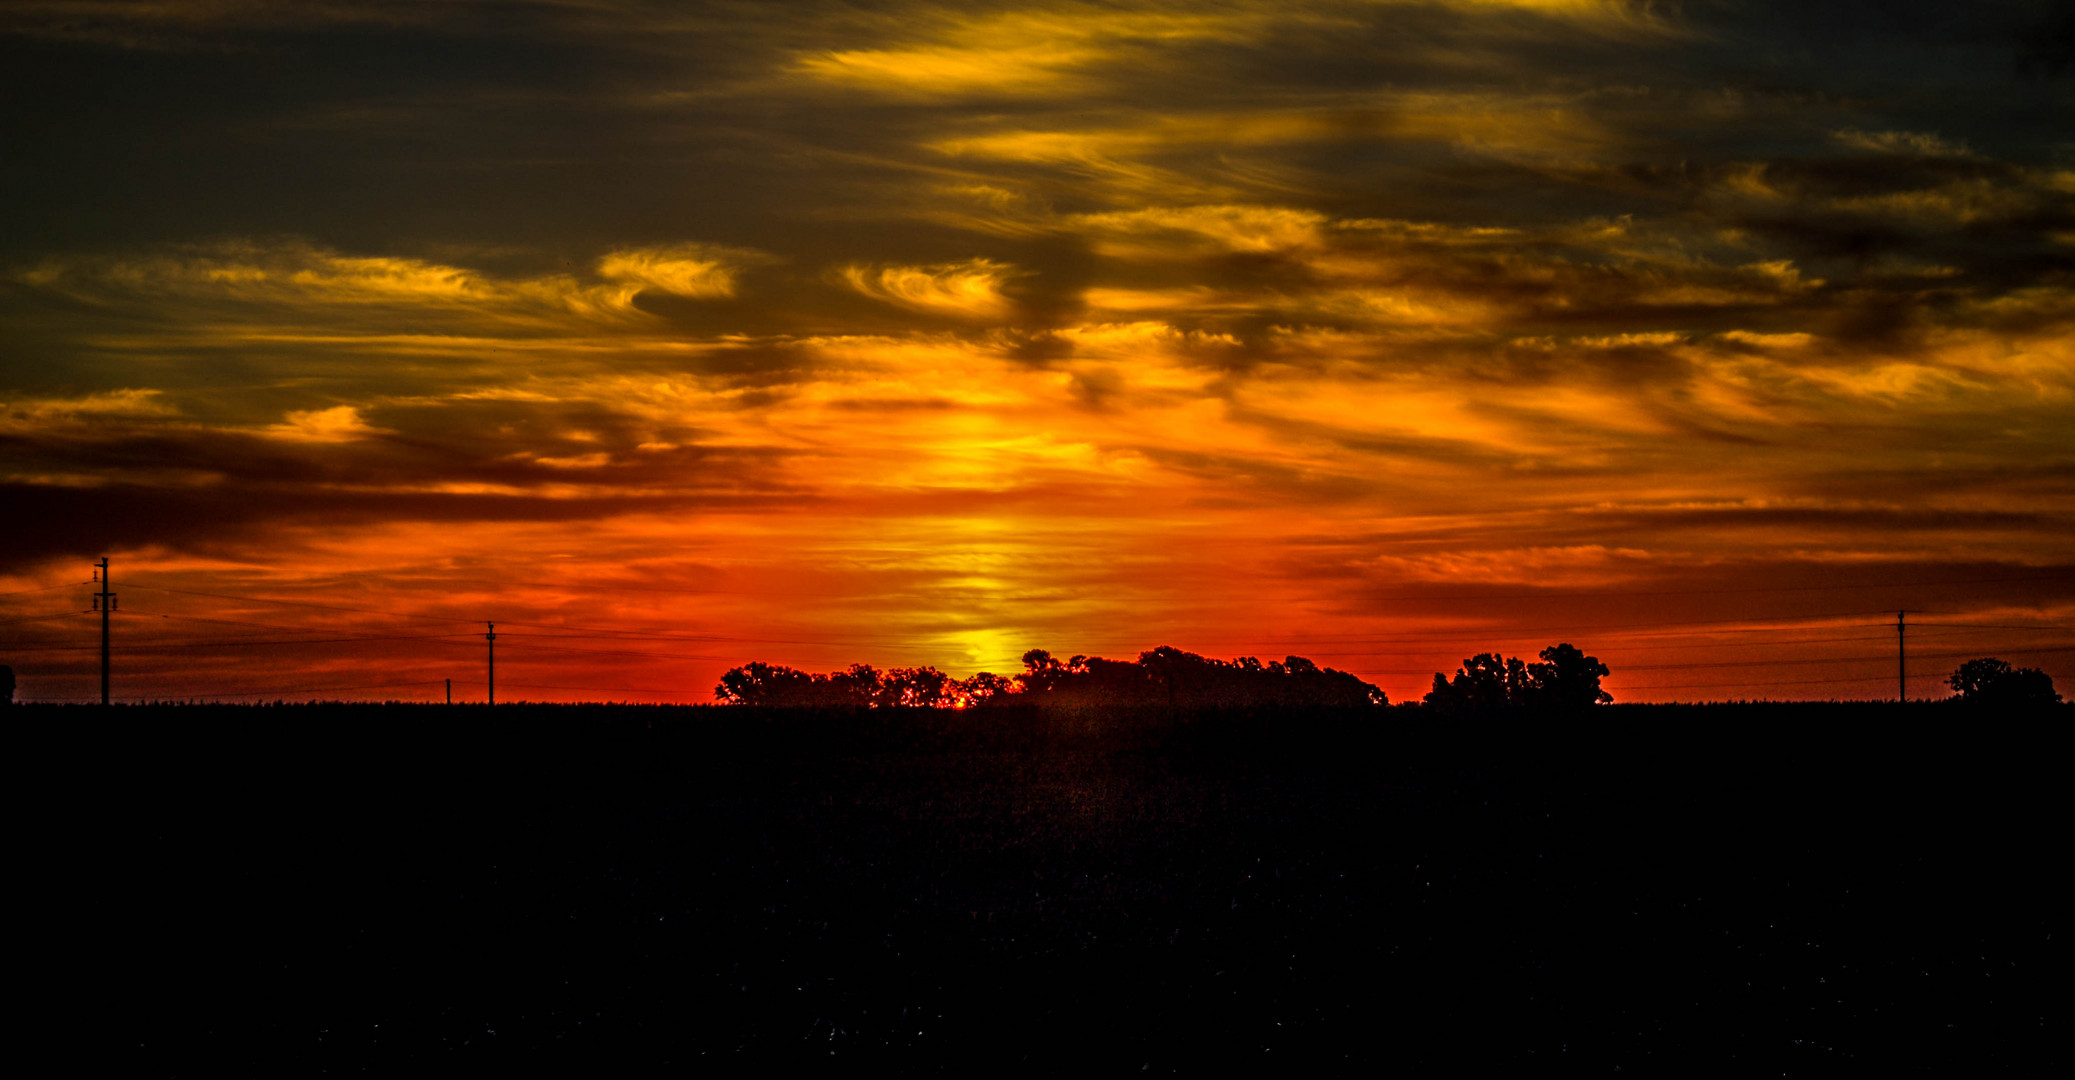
{"points": [[1994, 682], [1162, 676], [1565, 679]]}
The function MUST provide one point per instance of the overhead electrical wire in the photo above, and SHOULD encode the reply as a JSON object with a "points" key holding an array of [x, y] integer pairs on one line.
{"points": [[604, 689], [225, 622], [48, 588], [45, 618], [1549, 594], [1642, 631], [1342, 639], [322, 689], [296, 603]]}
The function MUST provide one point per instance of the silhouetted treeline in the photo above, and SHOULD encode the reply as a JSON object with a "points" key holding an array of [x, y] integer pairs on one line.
{"points": [[1162, 676], [1565, 679]]}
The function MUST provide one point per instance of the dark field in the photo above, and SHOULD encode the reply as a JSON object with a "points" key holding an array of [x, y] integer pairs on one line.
{"points": [[1787, 889]]}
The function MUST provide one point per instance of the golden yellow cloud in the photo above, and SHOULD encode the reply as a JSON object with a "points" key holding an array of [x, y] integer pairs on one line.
{"points": [[1031, 51], [296, 276], [697, 271], [1048, 49], [1540, 127], [27, 412], [338, 424], [972, 289]]}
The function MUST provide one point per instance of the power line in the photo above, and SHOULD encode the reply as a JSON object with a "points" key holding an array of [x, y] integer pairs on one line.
{"points": [[300, 603], [44, 618], [1774, 682], [1988, 626], [1483, 636], [1346, 639], [1548, 594], [607, 689], [47, 588], [1495, 635], [1716, 645], [619, 652], [239, 643], [1775, 663], [320, 689], [1781, 643], [1622, 632], [230, 622]]}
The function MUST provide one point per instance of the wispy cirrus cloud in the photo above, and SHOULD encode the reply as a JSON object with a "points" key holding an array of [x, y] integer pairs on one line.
{"points": [[973, 289], [1910, 143], [295, 276]]}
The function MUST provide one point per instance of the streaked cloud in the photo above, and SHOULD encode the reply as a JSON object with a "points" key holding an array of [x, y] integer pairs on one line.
{"points": [[1507, 126], [972, 289], [294, 276], [1911, 143], [1032, 50], [690, 270], [128, 402]]}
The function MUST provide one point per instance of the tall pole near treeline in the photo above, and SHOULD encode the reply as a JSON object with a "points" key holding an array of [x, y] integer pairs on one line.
{"points": [[491, 637], [104, 602], [1901, 661]]}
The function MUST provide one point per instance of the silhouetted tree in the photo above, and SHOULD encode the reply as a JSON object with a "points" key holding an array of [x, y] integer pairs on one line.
{"points": [[916, 688], [1167, 664], [986, 688], [859, 684], [1485, 683], [1992, 681], [1565, 679], [1042, 672], [764, 684], [6, 685]]}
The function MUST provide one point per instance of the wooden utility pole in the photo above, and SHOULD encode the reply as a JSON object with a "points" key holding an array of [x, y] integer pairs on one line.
{"points": [[1901, 661], [491, 637], [104, 602], [450, 691]]}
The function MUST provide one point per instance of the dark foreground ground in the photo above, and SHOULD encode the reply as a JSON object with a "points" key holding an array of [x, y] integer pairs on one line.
{"points": [[304, 889]]}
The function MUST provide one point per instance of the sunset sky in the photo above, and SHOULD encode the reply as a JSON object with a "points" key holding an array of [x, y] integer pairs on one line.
{"points": [[1702, 335]]}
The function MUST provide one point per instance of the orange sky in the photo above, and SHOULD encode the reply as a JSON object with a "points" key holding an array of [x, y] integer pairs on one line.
{"points": [[1381, 333]]}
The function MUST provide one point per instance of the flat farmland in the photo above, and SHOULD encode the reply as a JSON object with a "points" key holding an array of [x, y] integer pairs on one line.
{"points": [[331, 888]]}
